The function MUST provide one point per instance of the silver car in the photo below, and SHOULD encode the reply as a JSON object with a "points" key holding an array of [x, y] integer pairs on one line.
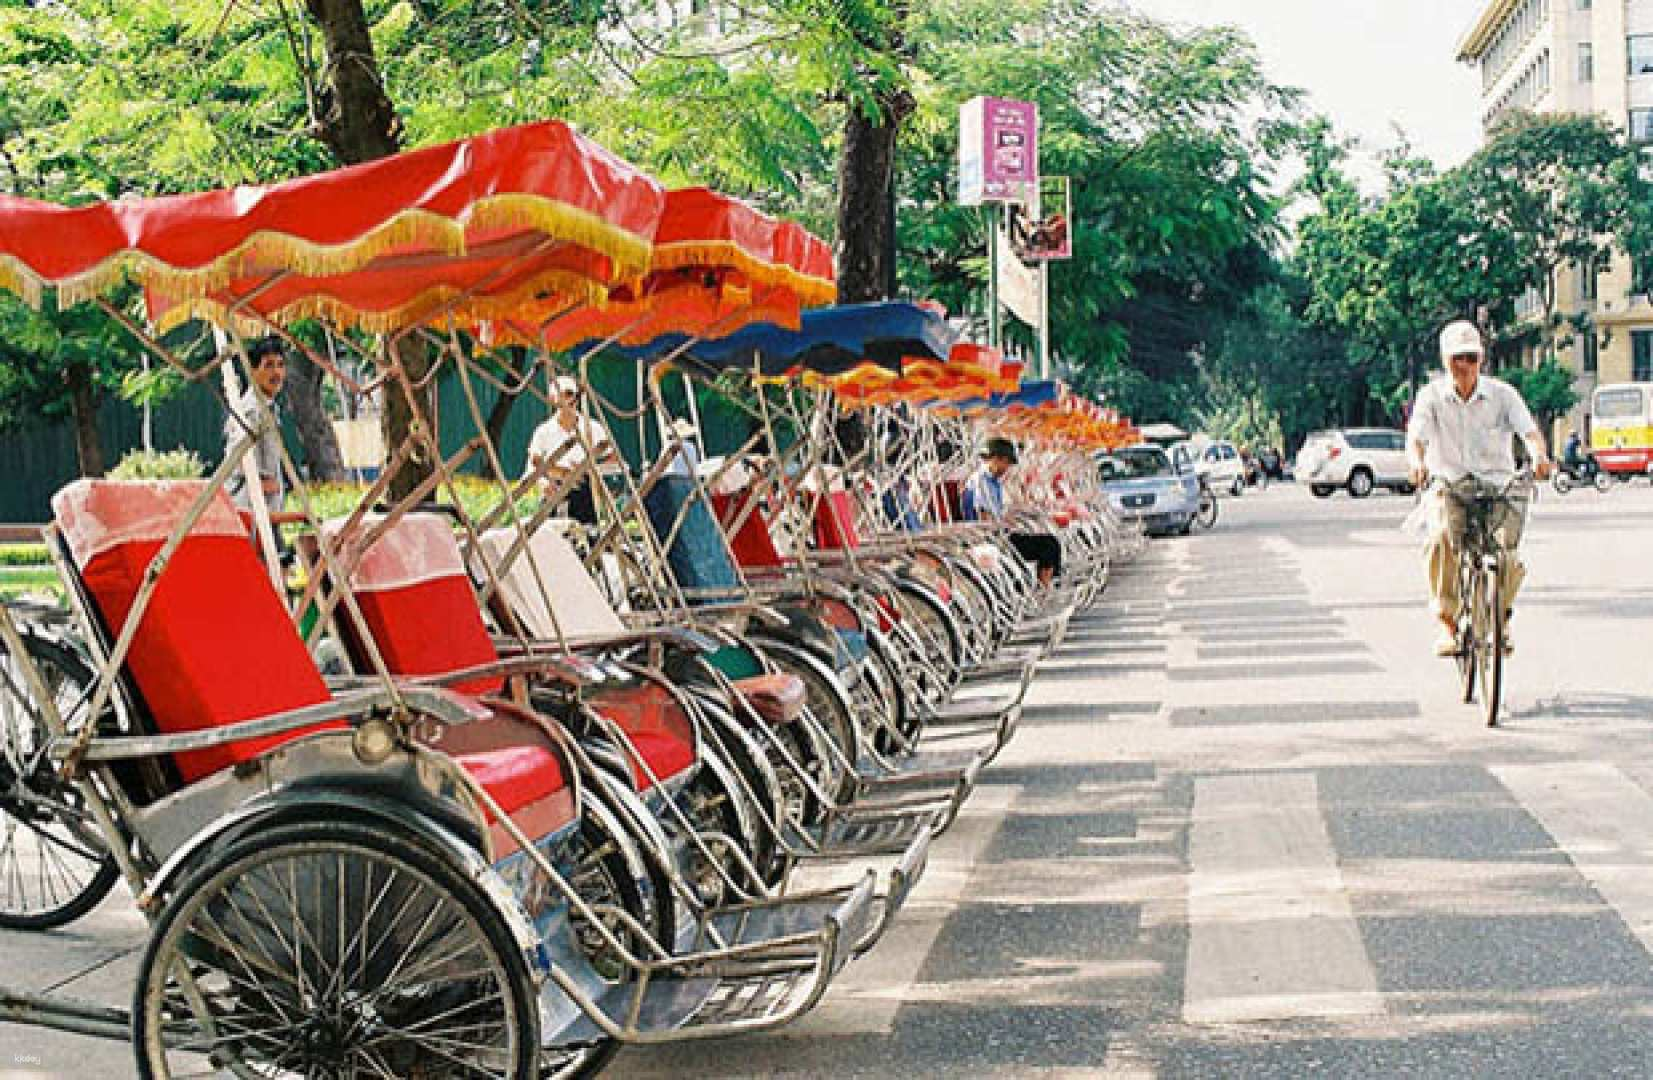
{"points": [[1143, 485]]}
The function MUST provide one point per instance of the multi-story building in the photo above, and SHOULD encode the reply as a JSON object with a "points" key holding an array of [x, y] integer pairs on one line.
{"points": [[1578, 56]]}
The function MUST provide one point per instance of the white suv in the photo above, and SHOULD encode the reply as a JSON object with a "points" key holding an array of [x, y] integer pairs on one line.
{"points": [[1218, 464], [1359, 459]]}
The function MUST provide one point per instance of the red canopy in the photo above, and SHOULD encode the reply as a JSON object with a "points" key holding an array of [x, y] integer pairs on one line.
{"points": [[561, 211]]}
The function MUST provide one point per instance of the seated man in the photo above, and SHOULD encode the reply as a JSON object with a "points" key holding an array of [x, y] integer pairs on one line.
{"points": [[983, 498]]}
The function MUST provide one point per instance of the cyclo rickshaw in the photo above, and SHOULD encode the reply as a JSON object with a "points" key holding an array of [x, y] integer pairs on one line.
{"points": [[468, 857], [477, 791]]}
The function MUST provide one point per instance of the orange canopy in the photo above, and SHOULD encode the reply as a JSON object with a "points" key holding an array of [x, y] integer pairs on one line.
{"points": [[717, 265]]}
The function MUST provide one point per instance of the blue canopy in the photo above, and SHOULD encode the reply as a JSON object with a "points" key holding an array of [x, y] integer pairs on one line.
{"points": [[831, 340], [1029, 395]]}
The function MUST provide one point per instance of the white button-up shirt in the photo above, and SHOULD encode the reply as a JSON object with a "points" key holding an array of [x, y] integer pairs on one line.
{"points": [[1474, 437]]}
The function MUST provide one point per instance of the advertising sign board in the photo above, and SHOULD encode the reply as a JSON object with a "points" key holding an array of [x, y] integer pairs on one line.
{"points": [[998, 150]]}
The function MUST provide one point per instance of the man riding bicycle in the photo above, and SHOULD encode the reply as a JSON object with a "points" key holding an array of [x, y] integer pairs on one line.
{"points": [[1462, 429]]}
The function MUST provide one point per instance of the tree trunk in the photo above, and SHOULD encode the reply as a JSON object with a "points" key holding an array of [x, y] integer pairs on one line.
{"points": [[399, 414], [866, 204], [499, 414], [315, 434], [83, 399], [354, 117], [357, 122]]}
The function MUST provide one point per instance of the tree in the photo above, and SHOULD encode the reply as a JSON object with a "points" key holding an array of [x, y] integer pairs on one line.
{"points": [[1554, 188], [61, 364], [1547, 389], [102, 99], [1169, 137]]}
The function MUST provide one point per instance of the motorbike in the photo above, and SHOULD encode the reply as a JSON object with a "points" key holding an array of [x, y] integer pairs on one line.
{"points": [[1583, 473]]}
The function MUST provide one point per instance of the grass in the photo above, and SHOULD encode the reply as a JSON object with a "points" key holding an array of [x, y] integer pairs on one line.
{"points": [[38, 581]]}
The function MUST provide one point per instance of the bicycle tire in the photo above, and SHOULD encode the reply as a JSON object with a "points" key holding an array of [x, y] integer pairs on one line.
{"points": [[1602, 481], [1206, 516], [83, 880], [1562, 482], [1468, 646], [1492, 661]]}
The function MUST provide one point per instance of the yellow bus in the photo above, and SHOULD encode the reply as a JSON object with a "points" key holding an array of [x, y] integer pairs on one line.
{"points": [[1621, 427]]}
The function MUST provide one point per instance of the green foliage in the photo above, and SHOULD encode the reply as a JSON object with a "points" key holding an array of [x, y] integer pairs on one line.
{"points": [[1170, 137], [33, 583], [177, 464], [23, 555], [1544, 192], [1546, 388]]}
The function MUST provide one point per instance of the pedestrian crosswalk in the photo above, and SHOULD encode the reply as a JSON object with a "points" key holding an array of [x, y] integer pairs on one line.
{"points": [[1271, 931]]}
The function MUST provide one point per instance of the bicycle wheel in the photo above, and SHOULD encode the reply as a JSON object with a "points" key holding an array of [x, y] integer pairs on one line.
{"points": [[333, 949], [1603, 481], [54, 867], [1492, 650], [1562, 482], [1468, 636], [1206, 516]]}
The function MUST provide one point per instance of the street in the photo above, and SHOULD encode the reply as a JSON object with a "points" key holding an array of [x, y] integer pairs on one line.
{"points": [[1245, 829]]}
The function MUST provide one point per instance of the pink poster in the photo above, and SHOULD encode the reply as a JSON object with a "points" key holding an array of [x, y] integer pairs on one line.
{"points": [[998, 150]]}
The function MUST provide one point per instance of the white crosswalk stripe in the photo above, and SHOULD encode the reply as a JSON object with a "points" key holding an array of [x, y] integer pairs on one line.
{"points": [[1271, 931], [1599, 817]]}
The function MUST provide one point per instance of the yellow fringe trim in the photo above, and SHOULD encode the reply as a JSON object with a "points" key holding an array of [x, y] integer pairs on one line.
{"points": [[265, 252], [432, 306], [812, 291], [16, 277], [515, 210]]}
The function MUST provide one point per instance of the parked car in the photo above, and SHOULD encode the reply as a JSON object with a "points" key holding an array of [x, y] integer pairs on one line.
{"points": [[1358, 459], [1218, 464], [1144, 486]]}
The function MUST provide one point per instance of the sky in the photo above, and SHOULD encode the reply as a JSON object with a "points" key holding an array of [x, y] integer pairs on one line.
{"points": [[1368, 64]]}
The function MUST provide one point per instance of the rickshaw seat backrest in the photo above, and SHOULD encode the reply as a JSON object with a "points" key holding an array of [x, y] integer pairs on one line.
{"points": [[216, 646], [421, 611], [417, 601], [835, 522], [698, 555], [570, 600], [752, 545]]}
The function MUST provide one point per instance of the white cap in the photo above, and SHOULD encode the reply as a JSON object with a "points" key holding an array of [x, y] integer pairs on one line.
{"points": [[566, 384], [1461, 339]]}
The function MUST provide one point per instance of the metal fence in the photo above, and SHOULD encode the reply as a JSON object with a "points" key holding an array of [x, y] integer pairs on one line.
{"points": [[38, 460]]}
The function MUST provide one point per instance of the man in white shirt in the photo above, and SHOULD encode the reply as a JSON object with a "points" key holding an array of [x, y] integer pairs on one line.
{"points": [[1464, 426], [267, 371], [560, 444]]}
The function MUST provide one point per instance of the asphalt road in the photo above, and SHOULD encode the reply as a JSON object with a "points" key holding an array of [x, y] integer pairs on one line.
{"points": [[1246, 829]]}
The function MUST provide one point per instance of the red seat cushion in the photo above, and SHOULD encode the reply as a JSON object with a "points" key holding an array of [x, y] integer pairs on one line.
{"points": [[667, 756], [419, 606], [515, 775], [656, 725], [216, 645], [835, 522], [431, 628], [751, 544], [777, 698]]}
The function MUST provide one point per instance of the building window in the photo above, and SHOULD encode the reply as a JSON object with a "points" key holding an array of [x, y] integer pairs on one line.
{"points": [[1581, 5], [1590, 355], [1641, 54], [1588, 288], [1586, 62], [1641, 355], [1641, 125]]}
